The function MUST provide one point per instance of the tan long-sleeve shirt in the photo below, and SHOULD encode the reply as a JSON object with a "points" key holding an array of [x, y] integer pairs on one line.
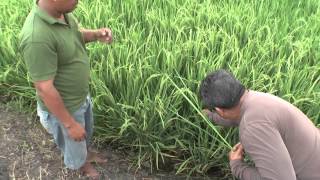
{"points": [[282, 142]]}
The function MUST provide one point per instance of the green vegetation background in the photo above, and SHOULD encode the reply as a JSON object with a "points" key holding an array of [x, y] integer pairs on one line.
{"points": [[145, 84]]}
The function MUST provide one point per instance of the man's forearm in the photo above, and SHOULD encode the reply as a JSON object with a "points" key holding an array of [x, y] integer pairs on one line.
{"points": [[53, 101], [89, 35]]}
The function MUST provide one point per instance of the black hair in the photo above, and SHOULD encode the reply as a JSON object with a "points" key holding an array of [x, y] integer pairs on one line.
{"points": [[220, 89]]}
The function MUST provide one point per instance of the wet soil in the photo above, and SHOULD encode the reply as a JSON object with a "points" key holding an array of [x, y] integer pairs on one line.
{"points": [[28, 152]]}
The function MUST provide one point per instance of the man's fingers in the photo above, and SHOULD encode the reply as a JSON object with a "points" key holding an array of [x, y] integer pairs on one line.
{"points": [[240, 147], [205, 111], [236, 147], [106, 32], [83, 137], [236, 152], [239, 150], [104, 35], [79, 139], [103, 32], [109, 32]]}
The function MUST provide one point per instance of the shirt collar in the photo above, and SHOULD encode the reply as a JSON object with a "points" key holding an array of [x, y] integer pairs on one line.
{"points": [[244, 104]]}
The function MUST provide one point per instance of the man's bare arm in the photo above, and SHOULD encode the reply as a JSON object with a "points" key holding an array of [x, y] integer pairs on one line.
{"points": [[53, 101], [103, 35]]}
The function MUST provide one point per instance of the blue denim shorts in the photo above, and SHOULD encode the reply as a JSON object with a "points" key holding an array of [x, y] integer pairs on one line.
{"points": [[74, 152]]}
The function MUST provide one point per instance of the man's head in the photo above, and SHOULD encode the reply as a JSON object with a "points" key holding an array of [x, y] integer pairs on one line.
{"points": [[221, 91], [61, 6]]}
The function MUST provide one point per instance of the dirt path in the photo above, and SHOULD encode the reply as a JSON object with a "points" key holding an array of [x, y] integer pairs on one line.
{"points": [[28, 152]]}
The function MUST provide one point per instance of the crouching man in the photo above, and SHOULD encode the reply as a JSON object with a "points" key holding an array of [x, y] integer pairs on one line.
{"points": [[280, 139]]}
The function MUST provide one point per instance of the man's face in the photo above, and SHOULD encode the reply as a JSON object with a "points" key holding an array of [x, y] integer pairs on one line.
{"points": [[231, 114], [65, 6]]}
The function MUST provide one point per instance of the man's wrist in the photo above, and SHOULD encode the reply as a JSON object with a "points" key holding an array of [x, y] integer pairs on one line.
{"points": [[69, 124], [95, 35]]}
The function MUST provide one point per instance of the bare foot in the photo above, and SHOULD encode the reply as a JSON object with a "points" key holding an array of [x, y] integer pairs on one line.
{"points": [[88, 170], [94, 157]]}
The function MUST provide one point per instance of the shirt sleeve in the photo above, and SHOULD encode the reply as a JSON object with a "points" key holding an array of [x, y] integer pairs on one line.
{"points": [[263, 143], [243, 171], [220, 121], [41, 60]]}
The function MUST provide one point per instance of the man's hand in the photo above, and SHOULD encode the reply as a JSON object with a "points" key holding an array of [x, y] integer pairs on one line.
{"points": [[104, 35], [218, 120], [54, 103], [76, 131], [206, 112], [236, 153]]}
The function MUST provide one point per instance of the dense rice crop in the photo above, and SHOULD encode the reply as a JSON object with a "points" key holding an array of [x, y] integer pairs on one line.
{"points": [[145, 84]]}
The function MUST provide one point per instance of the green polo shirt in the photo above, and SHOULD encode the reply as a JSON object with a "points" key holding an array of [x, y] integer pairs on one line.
{"points": [[53, 49]]}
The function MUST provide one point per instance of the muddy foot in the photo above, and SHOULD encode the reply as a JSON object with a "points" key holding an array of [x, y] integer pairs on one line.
{"points": [[88, 170]]}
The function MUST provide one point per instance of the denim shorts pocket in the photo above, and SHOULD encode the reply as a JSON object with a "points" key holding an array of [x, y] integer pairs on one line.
{"points": [[44, 117]]}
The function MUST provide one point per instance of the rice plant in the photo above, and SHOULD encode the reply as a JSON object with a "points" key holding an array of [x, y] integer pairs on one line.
{"points": [[145, 85]]}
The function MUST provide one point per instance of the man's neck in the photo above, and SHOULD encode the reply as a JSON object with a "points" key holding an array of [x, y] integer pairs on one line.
{"points": [[50, 10], [243, 97]]}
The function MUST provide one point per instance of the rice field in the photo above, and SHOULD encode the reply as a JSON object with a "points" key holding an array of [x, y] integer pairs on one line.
{"points": [[145, 85]]}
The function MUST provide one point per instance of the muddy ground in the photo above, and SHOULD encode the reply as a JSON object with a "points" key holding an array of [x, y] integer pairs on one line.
{"points": [[28, 152]]}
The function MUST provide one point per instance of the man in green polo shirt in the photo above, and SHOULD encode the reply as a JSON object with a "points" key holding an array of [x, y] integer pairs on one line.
{"points": [[54, 51]]}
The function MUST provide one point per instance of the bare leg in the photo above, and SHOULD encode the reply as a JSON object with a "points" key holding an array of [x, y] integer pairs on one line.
{"points": [[88, 169]]}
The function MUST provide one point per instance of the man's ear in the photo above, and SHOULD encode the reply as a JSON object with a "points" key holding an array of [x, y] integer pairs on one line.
{"points": [[220, 111]]}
